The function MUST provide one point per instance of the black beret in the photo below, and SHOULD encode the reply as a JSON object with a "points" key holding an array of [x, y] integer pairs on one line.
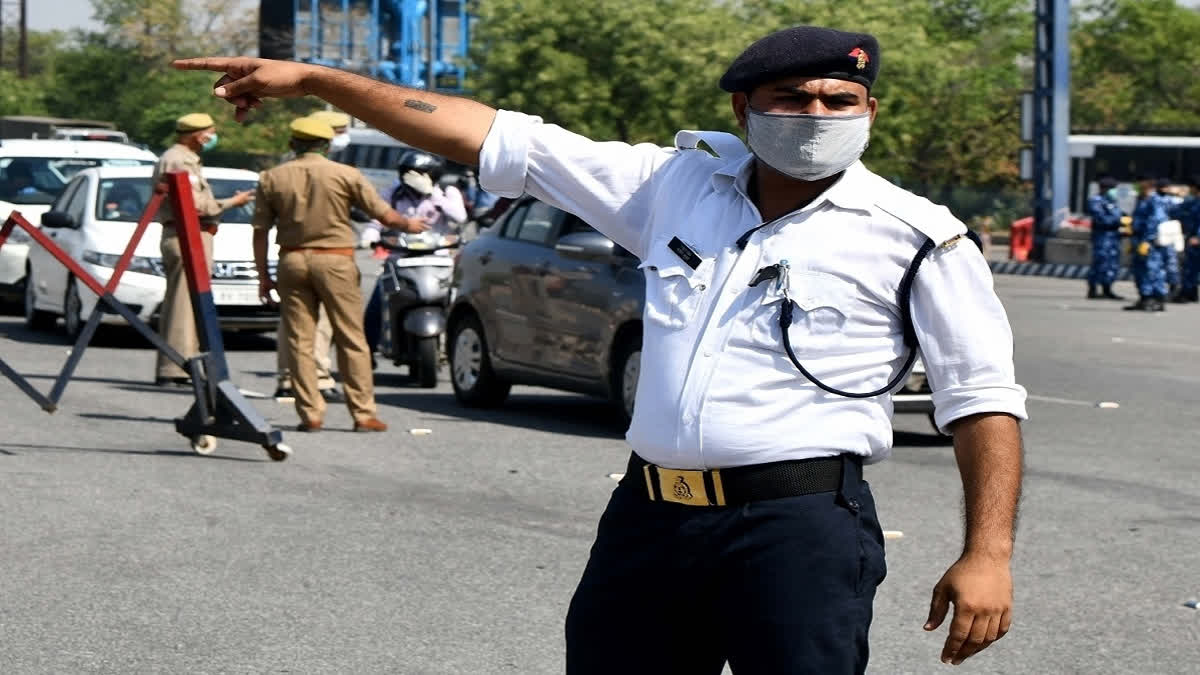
{"points": [[809, 51], [1107, 183]]}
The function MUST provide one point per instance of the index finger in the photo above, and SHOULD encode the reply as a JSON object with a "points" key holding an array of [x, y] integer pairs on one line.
{"points": [[214, 63]]}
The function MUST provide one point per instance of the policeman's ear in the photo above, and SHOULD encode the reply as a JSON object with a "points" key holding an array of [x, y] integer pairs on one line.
{"points": [[873, 108], [739, 101]]}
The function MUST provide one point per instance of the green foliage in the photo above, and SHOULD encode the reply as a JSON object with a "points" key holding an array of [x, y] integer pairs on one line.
{"points": [[1135, 67], [949, 89]]}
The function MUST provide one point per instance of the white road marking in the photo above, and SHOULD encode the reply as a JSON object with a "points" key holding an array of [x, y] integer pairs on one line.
{"points": [[893, 534], [420, 432], [251, 394], [1065, 401], [1151, 343], [616, 476]]}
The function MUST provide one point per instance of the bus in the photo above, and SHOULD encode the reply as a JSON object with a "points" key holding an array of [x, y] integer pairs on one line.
{"points": [[1126, 158]]}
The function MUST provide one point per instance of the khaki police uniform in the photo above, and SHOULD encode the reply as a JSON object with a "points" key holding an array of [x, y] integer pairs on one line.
{"points": [[322, 341], [309, 200], [177, 323]]}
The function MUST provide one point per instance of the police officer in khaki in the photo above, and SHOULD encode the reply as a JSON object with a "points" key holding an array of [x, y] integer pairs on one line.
{"points": [[309, 200], [195, 133]]}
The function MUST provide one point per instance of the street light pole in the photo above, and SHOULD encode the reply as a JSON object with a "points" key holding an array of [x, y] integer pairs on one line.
{"points": [[23, 46]]}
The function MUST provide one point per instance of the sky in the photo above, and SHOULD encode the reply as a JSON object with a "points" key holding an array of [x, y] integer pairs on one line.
{"points": [[68, 14]]}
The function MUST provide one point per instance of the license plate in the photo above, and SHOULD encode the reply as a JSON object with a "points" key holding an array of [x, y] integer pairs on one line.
{"points": [[235, 295]]}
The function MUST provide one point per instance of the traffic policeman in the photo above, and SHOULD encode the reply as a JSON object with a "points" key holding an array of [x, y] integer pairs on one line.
{"points": [[1106, 240], [787, 287], [194, 133], [309, 200]]}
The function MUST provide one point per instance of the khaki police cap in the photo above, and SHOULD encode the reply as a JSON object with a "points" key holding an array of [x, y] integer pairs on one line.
{"points": [[309, 129], [193, 122], [333, 118]]}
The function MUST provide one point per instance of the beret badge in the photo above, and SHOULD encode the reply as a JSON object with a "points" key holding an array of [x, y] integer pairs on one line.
{"points": [[861, 56]]}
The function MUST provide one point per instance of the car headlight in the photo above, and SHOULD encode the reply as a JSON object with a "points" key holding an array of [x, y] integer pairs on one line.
{"points": [[139, 263]]}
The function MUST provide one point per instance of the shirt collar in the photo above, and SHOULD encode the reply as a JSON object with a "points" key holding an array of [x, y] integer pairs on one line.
{"points": [[846, 193]]}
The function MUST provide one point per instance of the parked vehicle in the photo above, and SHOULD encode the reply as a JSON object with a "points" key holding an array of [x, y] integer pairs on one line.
{"points": [[28, 126], [93, 220], [415, 293], [542, 298], [50, 165]]}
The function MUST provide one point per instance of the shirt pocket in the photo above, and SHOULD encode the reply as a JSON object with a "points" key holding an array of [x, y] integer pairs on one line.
{"points": [[674, 291], [823, 304]]}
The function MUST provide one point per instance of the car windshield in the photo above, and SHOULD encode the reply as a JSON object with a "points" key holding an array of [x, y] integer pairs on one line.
{"points": [[124, 199], [40, 180]]}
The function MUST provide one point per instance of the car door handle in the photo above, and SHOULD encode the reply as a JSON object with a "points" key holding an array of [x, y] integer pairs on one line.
{"points": [[485, 258]]}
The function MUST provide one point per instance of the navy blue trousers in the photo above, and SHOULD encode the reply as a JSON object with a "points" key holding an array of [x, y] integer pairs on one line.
{"points": [[775, 587]]}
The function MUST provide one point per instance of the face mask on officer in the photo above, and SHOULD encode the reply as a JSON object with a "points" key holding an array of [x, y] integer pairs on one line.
{"points": [[339, 142], [209, 143], [807, 147]]}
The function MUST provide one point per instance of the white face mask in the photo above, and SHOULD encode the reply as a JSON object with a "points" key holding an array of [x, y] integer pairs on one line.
{"points": [[807, 147], [339, 142]]}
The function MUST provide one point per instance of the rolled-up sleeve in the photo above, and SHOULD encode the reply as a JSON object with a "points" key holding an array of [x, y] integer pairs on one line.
{"points": [[965, 338], [609, 185]]}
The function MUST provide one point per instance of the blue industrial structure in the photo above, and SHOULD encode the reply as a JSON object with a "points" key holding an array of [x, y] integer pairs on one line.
{"points": [[417, 43], [1051, 119]]}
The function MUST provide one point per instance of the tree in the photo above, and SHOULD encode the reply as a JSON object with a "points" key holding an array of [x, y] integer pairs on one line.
{"points": [[949, 89], [1134, 67], [610, 69]]}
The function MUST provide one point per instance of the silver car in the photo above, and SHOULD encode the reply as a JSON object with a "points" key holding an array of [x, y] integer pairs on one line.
{"points": [[542, 298]]}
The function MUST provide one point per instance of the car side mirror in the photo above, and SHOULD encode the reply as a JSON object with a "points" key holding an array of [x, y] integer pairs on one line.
{"points": [[587, 246], [58, 219]]}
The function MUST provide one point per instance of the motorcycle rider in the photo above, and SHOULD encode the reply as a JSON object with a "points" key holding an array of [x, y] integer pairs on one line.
{"points": [[416, 194]]}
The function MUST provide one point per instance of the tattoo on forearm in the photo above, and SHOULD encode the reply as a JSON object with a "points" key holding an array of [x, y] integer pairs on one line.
{"points": [[419, 105]]}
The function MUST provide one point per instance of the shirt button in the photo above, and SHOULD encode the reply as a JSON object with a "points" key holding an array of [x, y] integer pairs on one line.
{"points": [[701, 287], [707, 353]]}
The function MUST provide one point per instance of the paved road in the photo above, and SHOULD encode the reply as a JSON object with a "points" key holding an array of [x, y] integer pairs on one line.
{"points": [[456, 552]]}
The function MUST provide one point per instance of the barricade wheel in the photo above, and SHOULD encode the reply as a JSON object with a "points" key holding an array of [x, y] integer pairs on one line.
{"points": [[278, 452], [204, 444]]}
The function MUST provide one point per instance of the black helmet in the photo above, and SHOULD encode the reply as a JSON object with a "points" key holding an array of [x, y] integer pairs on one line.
{"points": [[419, 160]]}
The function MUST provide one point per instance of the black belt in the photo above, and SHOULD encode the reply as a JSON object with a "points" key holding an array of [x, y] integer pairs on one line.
{"points": [[742, 484]]}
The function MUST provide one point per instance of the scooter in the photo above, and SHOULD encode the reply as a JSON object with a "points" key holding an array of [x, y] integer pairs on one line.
{"points": [[415, 293]]}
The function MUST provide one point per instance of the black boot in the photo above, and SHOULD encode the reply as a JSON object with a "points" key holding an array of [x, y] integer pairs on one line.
{"points": [[1159, 304], [1109, 295], [1093, 294], [1144, 304]]}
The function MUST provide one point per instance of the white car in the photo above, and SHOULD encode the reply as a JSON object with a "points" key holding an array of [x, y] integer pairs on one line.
{"points": [[93, 220], [50, 164]]}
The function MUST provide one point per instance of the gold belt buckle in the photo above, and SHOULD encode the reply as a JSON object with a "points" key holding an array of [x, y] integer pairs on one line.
{"points": [[682, 486]]}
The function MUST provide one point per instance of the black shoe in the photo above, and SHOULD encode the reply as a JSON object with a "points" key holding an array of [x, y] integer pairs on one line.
{"points": [[1142, 305], [1093, 294], [173, 382], [332, 395], [1109, 295], [285, 395], [1157, 305]]}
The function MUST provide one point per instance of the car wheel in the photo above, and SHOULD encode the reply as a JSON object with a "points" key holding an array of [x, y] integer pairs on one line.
{"points": [[72, 310], [475, 383], [627, 366], [35, 318]]}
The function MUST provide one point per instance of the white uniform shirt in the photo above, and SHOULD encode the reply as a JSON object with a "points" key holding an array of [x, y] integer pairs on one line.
{"points": [[716, 387]]}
